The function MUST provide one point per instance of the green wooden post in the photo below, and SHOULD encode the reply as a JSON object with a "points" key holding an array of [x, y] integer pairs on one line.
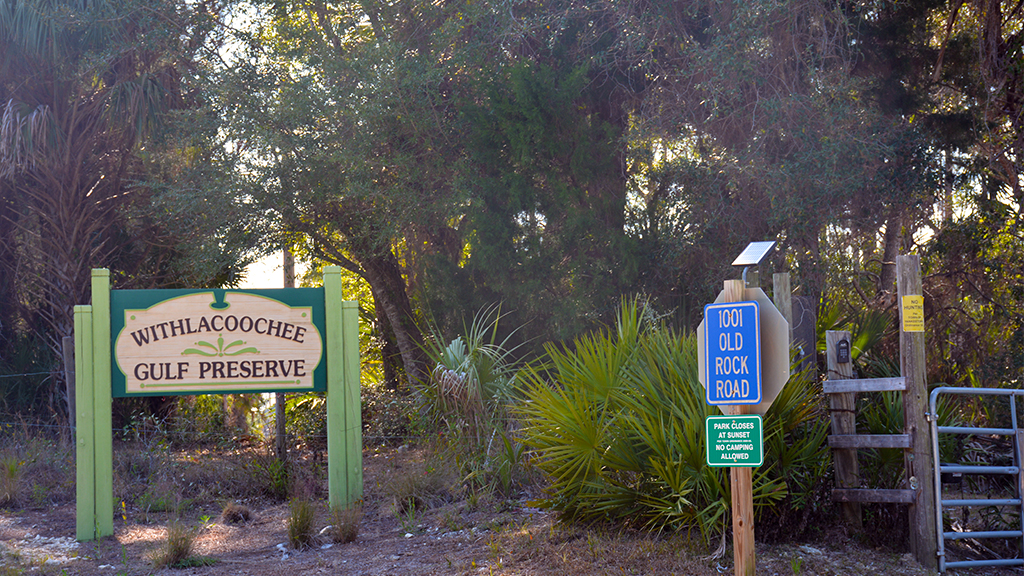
{"points": [[353, 403], [344, 428], [85, 445], [102, 403]]}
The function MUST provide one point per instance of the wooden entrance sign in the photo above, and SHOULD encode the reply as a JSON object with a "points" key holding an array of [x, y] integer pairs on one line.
{"points": [[173, 342]]}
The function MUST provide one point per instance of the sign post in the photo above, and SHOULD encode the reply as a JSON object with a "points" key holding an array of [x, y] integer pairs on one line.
{"points": [[171, 342], [740, 477], [743, 362]]}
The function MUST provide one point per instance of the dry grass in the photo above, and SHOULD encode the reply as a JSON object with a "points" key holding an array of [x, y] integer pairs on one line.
{"points": [[36, 472], [177, 550], [421, 484], [301, 519], [235, 513], [345, 523], [10, 479]]}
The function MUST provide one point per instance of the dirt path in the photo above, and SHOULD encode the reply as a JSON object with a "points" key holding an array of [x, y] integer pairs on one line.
{"points": [[458, 537]]}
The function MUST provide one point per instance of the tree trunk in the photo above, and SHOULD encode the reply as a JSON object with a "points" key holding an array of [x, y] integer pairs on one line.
{"points": [[890, 249], [391, 356], [385, 277]]}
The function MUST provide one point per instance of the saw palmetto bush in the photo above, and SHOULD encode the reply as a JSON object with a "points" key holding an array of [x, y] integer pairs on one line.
{"points": [[468, 394], [471, 382], [616, 420]]}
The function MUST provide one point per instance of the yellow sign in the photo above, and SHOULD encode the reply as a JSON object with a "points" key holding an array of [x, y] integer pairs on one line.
{"points": [[913, 313]]}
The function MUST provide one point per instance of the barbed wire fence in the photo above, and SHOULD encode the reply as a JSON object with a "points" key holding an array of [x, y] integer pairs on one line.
{"points": [[14, 425]]}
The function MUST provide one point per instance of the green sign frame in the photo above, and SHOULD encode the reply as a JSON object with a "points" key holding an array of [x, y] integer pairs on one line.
{"points": [[734, 441], [125, 303], [95, 369]]}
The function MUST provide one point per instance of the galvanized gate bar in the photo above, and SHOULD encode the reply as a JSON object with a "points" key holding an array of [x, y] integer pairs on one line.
{"points": [[973, 563], [983, 502], [968, 430], [976, 469], [982, 534]]}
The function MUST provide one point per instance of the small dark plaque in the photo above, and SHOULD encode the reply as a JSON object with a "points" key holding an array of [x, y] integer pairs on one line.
{"points": [[843, 352]]}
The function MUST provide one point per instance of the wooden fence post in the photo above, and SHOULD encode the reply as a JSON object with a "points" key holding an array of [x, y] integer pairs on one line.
{"points": [[103, 436], [919, 459], [844, 421], [68, 350], [85, 440], [782, 297], [344, 427]]}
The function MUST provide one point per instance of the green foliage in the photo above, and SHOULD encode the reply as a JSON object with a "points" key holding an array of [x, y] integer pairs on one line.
{"points": [[867, 327], [882, 413], [468, 396], [619, 430], [545, 225], [200, 417], [277, 477], [85, 178], [471, 383], [976, 330], [161, 497], [25, 371], [390, 417], [35, 470], [10, 479], [423, 485], [306, 416]]}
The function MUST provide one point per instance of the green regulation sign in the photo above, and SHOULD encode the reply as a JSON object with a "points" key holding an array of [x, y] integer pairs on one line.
{"points": [[735, 441]]}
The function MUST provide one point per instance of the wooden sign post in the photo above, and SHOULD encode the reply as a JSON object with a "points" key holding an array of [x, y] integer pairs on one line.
{"points": [[168, 342], [731, 358], [741, 478], [919, 459], [743, 364]]}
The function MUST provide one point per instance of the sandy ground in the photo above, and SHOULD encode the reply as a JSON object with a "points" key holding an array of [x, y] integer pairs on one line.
{"points": [[450, 538]]}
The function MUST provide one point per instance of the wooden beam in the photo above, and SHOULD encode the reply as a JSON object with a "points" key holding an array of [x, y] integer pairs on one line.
{"points": [[782, 297], [85, 428], [102, 403], [848, 495], [919, 461], [741, 479], [844, 422], [865, 385], [869, 441]]}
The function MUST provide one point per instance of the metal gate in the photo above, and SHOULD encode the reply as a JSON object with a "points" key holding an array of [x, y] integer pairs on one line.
{"points": [[1017, 439]]}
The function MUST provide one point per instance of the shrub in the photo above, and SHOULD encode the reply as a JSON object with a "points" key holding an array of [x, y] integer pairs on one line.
{"points": [[345, 522], [10, 478], [177, 550], [36, 471], [235, 513], [619, 429], [418, 486], [306, 415], [471, 383], [301, 518], [389, 417]]}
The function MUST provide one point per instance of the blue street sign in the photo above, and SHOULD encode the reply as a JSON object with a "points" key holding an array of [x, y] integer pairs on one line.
{"points": [[732, 342]]}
